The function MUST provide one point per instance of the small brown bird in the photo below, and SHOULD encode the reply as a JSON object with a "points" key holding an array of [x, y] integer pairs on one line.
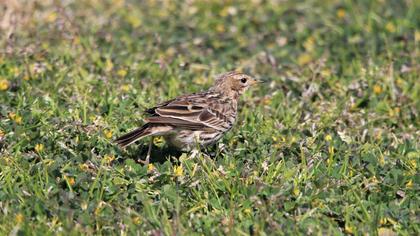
{"points": [[200, 118]]}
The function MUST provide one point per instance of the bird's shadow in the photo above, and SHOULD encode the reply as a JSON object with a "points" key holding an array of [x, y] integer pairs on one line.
{"points": [[160, 154], [157, 154]]}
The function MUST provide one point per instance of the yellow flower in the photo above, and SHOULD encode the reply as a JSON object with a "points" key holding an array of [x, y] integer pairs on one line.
{"points": [[15, 71], [133, 21], [125, 88], [19, 218], [328, 137], [220, 28], [39, 147], [331, 149], [409, 184], [296, 191], [377, 89], [266, 100], [381, 160], [84, 167], [76, 40], [394, 112], [417, 36], [326, 72], [150, 167], [390, 27], [1, 134], [348, 229], [109, 158], [304, 59], [137, 220], [70, 180], [12, 115], [178, 171], [108, 65], [413, 163], [247, 211], [386, 232], [224, 12], [16, 118], [4, 84], [84, 205], [122, 72], [108, 134], [309, 44], [341, 13], [382, 221], [52, 17]]}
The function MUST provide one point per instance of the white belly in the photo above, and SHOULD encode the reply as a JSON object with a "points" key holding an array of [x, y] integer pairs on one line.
{"points": [[187, 140]]}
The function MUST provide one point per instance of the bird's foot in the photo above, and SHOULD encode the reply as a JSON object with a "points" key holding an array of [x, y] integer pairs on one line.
{"points": [[149, 151], [144, 162]]}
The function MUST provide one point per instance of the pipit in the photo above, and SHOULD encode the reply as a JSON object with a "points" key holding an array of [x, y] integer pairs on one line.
{"points": [[198, 119]]}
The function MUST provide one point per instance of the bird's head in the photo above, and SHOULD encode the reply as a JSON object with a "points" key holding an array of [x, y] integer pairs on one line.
{"points": [[234, 83]]}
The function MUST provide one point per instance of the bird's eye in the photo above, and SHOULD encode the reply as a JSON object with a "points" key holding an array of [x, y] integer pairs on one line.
{"points": [[243, 80]]}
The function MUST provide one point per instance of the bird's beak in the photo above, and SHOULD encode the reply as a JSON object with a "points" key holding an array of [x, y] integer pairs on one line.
{"points": [[256, 82], [261, 81]]}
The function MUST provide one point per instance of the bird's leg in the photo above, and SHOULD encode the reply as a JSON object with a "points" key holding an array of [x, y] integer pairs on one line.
{"points": [[149, 151], [194, 153], [205, 155]]}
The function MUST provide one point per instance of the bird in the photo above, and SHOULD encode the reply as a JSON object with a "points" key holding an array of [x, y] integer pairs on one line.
{"points": [[194, 120]]}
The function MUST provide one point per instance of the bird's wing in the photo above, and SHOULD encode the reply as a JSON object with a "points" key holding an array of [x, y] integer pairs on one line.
{"points": [[192, 110]]}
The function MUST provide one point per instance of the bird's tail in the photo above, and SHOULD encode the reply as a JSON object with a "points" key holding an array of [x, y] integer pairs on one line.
{"points": [[134, 135]]}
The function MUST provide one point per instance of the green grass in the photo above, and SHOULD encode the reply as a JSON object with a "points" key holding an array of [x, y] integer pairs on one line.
{"points": [[329, 146]]}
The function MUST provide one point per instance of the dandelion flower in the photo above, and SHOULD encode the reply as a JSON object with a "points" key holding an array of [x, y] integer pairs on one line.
{"points": [[178, 171], [4, 84], [309, 44], [39, 147], [150, 167], [328, 137], [304, 59], [108, 65], [417, 36], [377, 89], [109, 158], [122, 72], [409, 184], [137, 220], [247, 211], [16, 118], [341, 13], [108, 134], [19, 218], [71, 181], [390, 27], [348, 229], [296, 191], [52, 17], [125, 88]]}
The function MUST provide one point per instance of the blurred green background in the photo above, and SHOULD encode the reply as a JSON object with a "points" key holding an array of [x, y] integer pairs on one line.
{"points": [[329, 146]]}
